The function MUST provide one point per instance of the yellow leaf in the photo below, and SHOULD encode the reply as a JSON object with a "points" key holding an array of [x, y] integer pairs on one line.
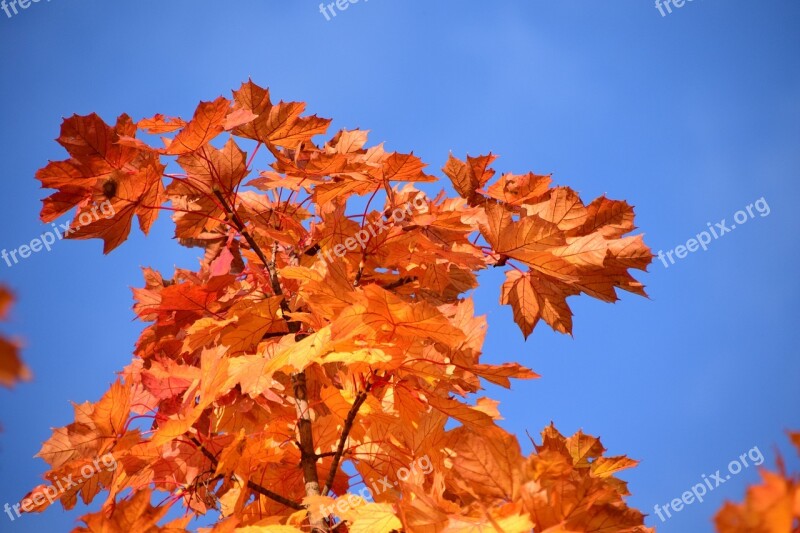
{"points": [[276, 528], [374, 518]]}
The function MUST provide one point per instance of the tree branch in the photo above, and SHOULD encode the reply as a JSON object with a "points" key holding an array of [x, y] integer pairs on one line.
{"points": [[241, 228], [399, 283], [501, 262], [325, 454], [270, 265], [250, 485], [308, 456], [348, 425]]}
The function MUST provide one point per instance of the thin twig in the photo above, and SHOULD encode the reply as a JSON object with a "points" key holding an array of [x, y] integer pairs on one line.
{"points": [[250, 485], [243, 230], [399, 283], [294, 327], [348, 425]]}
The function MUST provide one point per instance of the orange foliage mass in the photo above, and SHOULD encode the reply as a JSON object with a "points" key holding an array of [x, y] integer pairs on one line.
{"points": [[262, 372]]}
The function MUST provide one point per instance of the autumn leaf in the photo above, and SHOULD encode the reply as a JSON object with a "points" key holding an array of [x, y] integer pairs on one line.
{"points": [[276, 528], [569, 249], [565, 491], [795, 438], [467, 177], [206, 124], [374, 518], [160, 124], [532, 299], [100, 172], [280, 125], [133, 514], [11, 367], [489, 462], [768, 507]]}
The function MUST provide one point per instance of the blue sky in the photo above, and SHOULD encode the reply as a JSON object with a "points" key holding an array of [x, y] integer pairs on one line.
{"points": [[690, 117]]}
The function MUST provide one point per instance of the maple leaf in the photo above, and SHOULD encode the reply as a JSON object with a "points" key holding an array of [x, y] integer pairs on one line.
{"points": [[569, 250], [490, 462], [11, 367], [564, 490], [160, 124], [468, 177], [133, 514], [101, 170], [208, 122], [516, 190], [795, 438], [533, 298], [208, 170], [279, 125], [770, 507]]}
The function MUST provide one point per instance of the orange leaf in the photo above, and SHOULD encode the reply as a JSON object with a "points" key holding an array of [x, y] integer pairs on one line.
{"points": [[278, 125], [468, 177], [207, 123], [160, 124], [11, 367]]}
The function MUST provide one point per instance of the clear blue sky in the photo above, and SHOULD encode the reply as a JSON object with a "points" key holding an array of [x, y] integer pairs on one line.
{"points": [[690, 117]]}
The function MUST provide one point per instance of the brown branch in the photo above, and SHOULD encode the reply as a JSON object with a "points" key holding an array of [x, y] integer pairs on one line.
{"points": [[272, 335], [273, 496], [314, 250], [250, 485], [501, 262], [240, 227], [348, 426], [237, 222], [399, 283], [294, 327], [325, 454], [308, 456], [361, 265]]}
